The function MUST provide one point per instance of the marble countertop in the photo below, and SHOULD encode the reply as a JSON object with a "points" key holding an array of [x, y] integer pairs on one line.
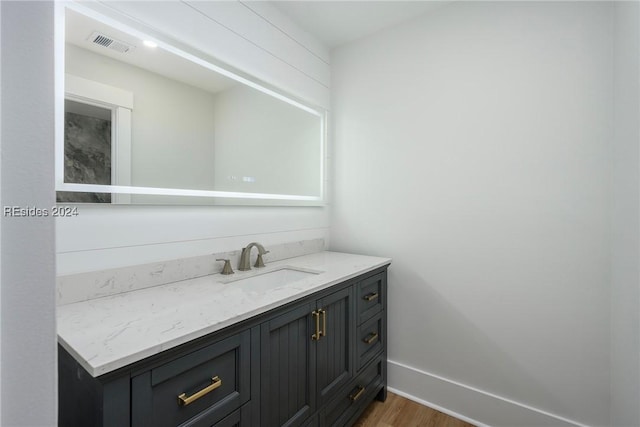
{"points": [[107, 333]]}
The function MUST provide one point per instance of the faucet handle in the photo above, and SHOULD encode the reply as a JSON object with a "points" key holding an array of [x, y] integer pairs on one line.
{"points": [[259, 262], [227, 266]]}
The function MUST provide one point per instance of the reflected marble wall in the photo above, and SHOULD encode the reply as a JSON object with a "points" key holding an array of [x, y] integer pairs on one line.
{"points": [[87, 157]]}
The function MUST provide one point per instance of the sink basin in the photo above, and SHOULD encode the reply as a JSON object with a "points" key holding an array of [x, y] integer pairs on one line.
{"points": [[272, 279]]}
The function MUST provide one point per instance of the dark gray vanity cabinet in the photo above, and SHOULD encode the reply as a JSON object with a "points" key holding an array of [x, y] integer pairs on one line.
{"points": [[287, 368], [198, 389], [306, 357], [334, 349], [370, 354], [206, 383], [315, 362]]}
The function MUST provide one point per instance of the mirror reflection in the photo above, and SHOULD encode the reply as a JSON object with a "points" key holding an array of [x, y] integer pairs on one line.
{"points": [[140, 116], [87, 150]]}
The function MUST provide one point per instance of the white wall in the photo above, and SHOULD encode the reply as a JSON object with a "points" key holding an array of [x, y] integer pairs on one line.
{"points": [[28, 387], [0, 231], [625, 250], [255, 39], [472, 145]]}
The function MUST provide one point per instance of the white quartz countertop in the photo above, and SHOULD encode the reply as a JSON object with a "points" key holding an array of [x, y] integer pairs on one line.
{"points": [[105, 334]]}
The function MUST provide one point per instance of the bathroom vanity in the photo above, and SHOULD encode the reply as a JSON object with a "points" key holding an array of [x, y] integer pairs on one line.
{"points": [[298, 342], [301, 342]]}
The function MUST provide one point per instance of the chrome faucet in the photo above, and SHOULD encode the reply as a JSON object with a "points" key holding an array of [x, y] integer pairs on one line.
{"points": [[245, 263]]}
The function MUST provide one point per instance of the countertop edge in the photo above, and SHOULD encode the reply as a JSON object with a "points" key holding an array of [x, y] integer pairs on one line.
{"points": [[105, 368]]}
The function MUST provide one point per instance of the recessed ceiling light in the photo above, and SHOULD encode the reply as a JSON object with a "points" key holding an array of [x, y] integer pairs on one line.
{"points": [[149, 43]]}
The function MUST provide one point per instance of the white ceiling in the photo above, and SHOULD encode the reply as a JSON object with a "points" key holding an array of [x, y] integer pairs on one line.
{"points": [[338, 22]]}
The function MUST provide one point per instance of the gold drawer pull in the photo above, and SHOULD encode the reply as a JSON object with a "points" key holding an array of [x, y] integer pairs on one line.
{"points": [[318, 334], [355, 396], [323, 313], [371, 338], [183, 400], [370, 297]]}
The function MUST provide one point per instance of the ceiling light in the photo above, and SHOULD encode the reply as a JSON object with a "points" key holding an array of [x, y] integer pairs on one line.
{"points": [[150, 43]]}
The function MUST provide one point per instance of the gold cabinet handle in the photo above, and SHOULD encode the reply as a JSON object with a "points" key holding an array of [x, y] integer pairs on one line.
{"points": [[183, 400], [323, 313], [370, 297], [318, 334], [355, 396], [371, 338]]}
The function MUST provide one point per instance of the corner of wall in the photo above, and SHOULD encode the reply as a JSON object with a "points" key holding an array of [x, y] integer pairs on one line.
{"points": [[1, 387], [27, 251], [625, 218]]}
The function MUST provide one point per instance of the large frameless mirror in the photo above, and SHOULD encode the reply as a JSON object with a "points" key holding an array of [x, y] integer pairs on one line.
{"points": [[147, 123]]}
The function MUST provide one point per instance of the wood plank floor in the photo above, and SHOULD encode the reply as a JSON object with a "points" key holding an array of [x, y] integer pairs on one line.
{"points": [[400, 412]]}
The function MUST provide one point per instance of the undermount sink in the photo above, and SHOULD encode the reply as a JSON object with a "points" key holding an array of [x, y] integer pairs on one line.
{"points": [[272, 279]]}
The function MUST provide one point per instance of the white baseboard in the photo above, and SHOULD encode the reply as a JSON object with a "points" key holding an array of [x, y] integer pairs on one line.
{"points": [[468, 403]]}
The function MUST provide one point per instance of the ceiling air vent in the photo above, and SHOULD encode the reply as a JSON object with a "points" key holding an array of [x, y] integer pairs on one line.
{"points": [[109, 42]]}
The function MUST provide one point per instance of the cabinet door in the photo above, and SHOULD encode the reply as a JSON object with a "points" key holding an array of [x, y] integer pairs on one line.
{"points": [[287, 368], [334, 349]]}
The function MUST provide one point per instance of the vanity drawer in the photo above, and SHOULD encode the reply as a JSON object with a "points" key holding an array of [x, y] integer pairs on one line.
{"points": [[370, 296], [238, 418], [231, 420], [198, 389], [370, 336], [355, 397]]}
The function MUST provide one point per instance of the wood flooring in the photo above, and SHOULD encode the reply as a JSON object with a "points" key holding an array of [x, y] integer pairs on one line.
{"points": [[397, 411]]}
